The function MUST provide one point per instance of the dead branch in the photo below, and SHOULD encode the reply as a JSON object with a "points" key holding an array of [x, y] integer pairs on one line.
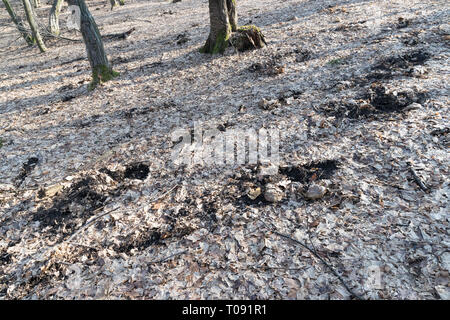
{"points": [[417, 179], [321, 260], [119, 36], [168, 257]]}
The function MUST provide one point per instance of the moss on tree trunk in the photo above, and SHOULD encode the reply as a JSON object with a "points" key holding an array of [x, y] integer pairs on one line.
{"points": [[100, 74], [100, 66], [224, 30], [33, 25], [220, 27], [247, 38], [53, 22]]}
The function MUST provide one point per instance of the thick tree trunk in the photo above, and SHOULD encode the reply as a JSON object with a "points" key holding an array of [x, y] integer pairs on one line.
{"points": [[101, 69], [18, 22], [224, 29], [33, 25], [220, 28], [53, 22]]}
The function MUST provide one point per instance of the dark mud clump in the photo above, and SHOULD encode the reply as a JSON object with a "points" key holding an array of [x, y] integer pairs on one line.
{"points": [[389, 102], [136, 171], [310, 172], [70, 209], [389, 67], [26, 169], [140, 242]]}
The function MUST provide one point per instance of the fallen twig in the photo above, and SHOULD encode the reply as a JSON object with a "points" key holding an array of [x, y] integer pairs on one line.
{"points": [[119, 36], [321, 260], [89, 222], [417, 179], [168, 257]]}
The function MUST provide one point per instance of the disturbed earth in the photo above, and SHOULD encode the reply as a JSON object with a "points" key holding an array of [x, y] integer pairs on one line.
{"points": [[93, 204]]}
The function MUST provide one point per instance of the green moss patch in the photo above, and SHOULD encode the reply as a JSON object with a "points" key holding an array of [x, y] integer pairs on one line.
{"points": [[101, 74]]}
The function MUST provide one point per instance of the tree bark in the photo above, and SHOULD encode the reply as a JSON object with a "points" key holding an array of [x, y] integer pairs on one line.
{"points": [[33, 25], [101, 68], [225, 31], [18, 22], [53, 22], [36, 3], [220, 27], [232, 14], [113, 3]]}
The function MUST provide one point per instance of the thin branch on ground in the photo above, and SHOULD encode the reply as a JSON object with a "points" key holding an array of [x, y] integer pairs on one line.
{"points": [[321, 260], [168, 257]]}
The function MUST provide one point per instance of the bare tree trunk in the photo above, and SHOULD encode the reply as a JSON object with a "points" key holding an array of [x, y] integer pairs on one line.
{"points": [[18, 22], [232, 14], [220, 28], [224, 29], [113, 3], [33, 25], [53, 22], [101, 68], [36, 3]]}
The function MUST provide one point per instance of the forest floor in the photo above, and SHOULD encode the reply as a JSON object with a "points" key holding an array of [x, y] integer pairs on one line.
{"points": [[93, 205]]}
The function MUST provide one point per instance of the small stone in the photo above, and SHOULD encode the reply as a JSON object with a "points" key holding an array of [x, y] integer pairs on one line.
{"points": [[262, 104], [413, 106], [315, 192], [273, 193], [266, 169], [254, 193], [269, 104]]}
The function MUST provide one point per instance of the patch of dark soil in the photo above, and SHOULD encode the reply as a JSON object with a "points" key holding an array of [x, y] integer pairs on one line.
{"points": [[403, 23], [115, 175], [310, 172], [348, 109], [136, 171], [440, 132], [389, 102], [258, 201], [389, 67], [140, 242], [248, 179], [26, 169], [5, 258], [374, 102], [412, 58], [182, 38], [302, 55], [137, 112], [71, 208], [68, 97]]}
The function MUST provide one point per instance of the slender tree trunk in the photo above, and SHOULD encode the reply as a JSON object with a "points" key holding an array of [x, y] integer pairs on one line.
{"points": [[101, 68], [113, 3], [33, 25], [18, 22], [220, 27], [232, 14], [36, 3], [53, 21]]}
